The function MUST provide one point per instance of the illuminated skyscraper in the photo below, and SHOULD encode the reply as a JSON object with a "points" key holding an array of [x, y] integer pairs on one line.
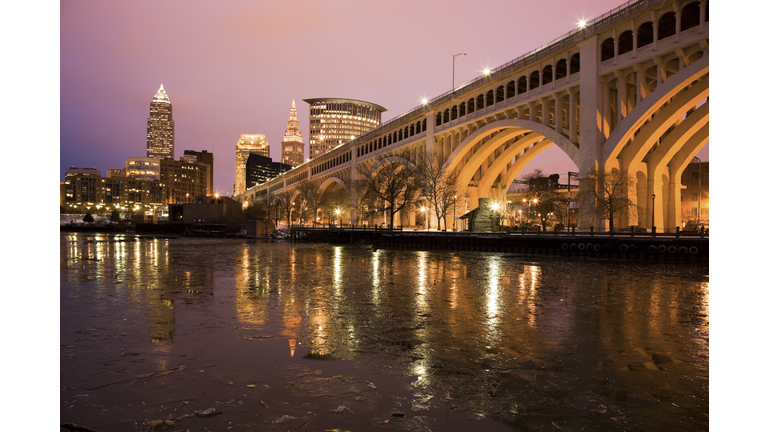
{"points": [[256, 144], [160, 127], [333, 122], [293, 147]]}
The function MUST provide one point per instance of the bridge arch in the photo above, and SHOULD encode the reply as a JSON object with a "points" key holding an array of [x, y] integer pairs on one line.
{"points": [[330, 180], [647, 110]]}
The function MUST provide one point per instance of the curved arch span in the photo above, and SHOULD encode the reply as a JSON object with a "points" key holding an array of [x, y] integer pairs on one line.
{"points": [[327, 182], [507, 156], [650, 106], [570, 149]]}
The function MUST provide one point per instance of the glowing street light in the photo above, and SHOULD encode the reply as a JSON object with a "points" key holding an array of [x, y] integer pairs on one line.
{"points": [[486, 71], [424, 101], [582, 24]]}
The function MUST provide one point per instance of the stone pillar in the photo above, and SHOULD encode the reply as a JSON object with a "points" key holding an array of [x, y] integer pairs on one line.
{"points": [[572, 111], [541, 77], [634, 41], [532, 111], [591, 94], [559, 113], [642, 88], [621, 96], [606, 125], [661, 73], [544, 111], [702, 15], [674, 209], [430, 136]]}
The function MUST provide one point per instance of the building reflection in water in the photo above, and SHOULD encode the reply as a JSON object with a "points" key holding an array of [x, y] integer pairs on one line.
{"points": [[465, 311]]}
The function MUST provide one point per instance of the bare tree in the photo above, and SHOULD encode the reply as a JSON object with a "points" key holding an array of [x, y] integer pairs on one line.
{"points": [[310, 193], [391, 187], [284, 206], [270, 203], [605, 194], [438, 186]]}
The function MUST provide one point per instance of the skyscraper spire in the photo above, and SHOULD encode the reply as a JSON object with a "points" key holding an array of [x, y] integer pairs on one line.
{"points": [[160, 126], [293, 147]]}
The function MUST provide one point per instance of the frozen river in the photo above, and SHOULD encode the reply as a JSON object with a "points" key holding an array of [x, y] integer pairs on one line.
{"points": [[219, 334]]}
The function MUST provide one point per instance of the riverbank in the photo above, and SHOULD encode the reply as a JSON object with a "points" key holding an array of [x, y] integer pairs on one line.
{"points": [[625, 246]]}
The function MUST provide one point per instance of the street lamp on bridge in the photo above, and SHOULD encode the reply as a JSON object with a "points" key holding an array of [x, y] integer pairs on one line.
{"points": [[453, 80]]}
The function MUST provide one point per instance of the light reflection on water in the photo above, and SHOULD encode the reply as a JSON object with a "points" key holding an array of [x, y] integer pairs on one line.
{"points": [[437, 315]]}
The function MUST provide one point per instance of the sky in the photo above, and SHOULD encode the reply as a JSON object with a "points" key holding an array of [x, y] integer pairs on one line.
{"points": [[234, 67]]}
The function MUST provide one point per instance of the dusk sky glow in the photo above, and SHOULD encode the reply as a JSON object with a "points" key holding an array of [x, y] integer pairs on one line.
{"points": [[233, 67]]}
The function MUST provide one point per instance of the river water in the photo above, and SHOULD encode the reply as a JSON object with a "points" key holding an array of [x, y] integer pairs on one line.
{"points": [[222, 334]]}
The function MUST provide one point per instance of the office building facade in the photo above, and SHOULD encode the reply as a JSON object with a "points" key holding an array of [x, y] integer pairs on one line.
{"points": [[334, 121], [259, 169], [183, 181], [247, 145], [160, 127], [203, 157]]}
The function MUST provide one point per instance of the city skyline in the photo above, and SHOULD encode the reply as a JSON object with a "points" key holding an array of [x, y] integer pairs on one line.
{"points": [[228, 78]]}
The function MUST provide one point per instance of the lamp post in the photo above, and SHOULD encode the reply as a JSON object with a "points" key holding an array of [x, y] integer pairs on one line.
{"points": [[338, 215], [653, 214], [454, 213], [568, 213], [453, 79]]}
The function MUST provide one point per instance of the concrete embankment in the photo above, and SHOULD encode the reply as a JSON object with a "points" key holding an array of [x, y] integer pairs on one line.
{"points": [[645, 247]]}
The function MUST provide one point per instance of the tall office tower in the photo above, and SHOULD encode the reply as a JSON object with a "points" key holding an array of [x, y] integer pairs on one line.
{"points": [[160, 127], [333, 122], [293, 147], [206, 158], [256, 144]]}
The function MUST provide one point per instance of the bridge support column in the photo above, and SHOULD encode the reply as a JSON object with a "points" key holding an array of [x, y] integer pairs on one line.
{"points": [[674, 210], [621, 97], [590, 115], [572, 112], [430, 116], [559, 113]]}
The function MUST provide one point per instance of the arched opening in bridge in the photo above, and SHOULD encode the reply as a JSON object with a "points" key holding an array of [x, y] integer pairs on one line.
{"points": [[471, 106], [510, 89], [522, 85], [534, 80], [575, 63], [606, 49], [561, 69], [334, 205], [667, 25], [645, 34], [499, 94], [690, 16], [547, 74], [625, 42]]}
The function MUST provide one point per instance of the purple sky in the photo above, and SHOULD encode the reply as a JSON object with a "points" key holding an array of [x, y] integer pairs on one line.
{"points": [[233, 67]]}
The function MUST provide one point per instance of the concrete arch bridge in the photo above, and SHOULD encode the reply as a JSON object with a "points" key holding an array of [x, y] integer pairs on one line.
{"points": [[629, 93]]}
